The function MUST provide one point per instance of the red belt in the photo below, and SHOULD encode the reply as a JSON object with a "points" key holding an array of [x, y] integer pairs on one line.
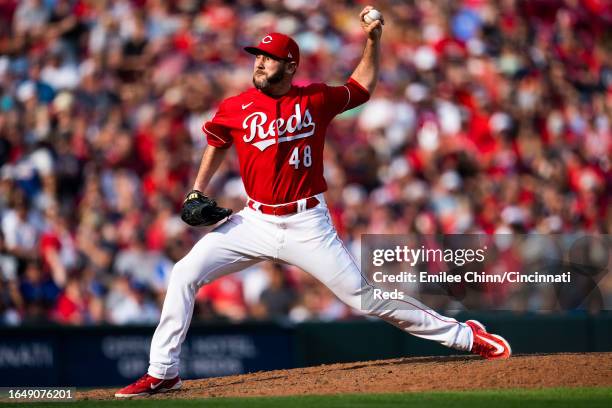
{"points": [[284, 209]]}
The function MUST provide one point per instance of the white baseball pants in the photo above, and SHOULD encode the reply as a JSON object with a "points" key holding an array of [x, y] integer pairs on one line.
{"points": [[307, 240]]}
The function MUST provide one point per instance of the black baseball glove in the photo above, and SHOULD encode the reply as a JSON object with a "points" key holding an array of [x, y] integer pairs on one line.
{"points": [[199, 210]]}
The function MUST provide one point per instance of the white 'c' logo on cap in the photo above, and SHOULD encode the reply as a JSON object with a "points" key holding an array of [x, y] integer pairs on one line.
{"points": [[267, 39]]}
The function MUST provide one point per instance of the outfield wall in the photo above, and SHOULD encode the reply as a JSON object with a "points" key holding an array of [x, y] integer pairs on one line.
{"points": [[111, 355]]}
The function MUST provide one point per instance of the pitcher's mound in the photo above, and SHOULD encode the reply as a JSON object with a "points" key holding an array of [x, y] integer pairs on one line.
{"points": [[404, 375]]}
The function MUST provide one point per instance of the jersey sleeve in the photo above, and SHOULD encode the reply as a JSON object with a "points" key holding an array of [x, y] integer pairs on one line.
{"points": [[217, 130], [339, 99]]}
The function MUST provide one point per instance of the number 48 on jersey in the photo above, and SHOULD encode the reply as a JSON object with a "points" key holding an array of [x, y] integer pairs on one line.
{"points": [[294, 159]]}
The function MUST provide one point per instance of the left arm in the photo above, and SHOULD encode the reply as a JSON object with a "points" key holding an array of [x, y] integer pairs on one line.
{"points": [[366, 73]]}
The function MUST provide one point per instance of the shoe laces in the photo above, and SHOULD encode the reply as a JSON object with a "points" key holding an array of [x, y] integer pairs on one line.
{"points": [[142, 379], [481, 347]]}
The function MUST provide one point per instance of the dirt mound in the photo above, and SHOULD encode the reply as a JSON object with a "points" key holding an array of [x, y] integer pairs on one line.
{"points": [[404, 375]]}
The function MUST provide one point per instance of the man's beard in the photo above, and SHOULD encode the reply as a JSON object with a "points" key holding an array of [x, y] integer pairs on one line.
{"points": [[262, 83]]}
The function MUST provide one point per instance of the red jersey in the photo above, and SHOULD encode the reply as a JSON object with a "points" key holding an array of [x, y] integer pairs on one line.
{"points": [[279, 140]]}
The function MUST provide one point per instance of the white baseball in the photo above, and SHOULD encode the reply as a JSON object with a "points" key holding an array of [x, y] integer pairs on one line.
{"points": [[372, 16]]}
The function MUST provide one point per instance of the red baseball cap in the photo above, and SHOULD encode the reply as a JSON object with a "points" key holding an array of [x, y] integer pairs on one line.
{"points": [[278, 46]]}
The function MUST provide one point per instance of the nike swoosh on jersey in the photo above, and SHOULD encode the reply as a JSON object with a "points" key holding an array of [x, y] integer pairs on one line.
{"points": [[499, 348], [246, 105]]}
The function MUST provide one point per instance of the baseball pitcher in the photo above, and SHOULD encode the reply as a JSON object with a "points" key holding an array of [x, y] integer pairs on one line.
{"points": [[278, 130]]}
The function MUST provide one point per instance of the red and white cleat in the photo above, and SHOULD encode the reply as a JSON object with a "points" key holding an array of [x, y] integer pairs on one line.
{"points": [[490, 346], [148, 385]]}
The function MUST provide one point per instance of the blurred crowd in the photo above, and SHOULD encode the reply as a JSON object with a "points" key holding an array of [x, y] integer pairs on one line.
{"points": [[490, 116]]}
